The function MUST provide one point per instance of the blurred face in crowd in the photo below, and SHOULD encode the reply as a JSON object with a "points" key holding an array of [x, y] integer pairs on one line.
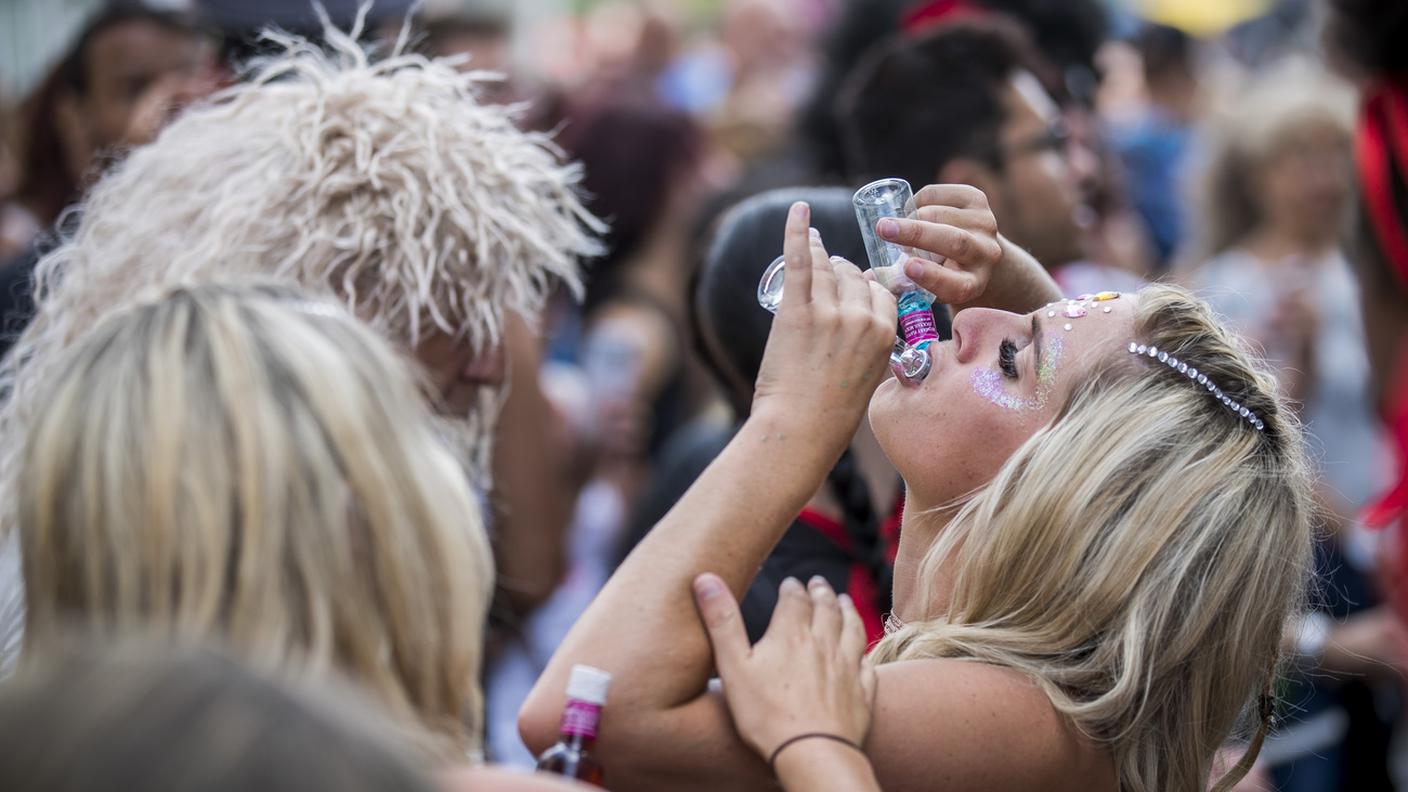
{"points": [[457, 373], [1035, 194], [1303, 182], [127, 67]]}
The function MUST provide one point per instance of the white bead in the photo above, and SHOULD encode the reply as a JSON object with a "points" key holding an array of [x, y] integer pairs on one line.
{"points": [[1182, 368], [1050, 314], [1163, 357], [1068, 327], [1245, 412], [1153, 351], [1107, 309], [1132, 347], [1142, 349]]}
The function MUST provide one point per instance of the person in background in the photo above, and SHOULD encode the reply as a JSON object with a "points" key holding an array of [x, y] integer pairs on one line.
{"points": [[1154, 147], [293, 499], [1364, 39], [126, 73], [151, 715], [1273, 196], [447, 242], [987, 123], [848, 532], [1068, 33]]}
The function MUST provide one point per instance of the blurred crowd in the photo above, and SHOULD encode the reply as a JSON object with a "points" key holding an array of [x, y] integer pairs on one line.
{"points": [[627, 166]]}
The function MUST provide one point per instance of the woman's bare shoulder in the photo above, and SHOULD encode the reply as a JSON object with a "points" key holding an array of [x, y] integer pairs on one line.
{"points": [[975, 726]]}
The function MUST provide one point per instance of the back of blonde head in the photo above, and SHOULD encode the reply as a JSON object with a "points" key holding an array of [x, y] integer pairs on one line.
{"points": [[250, 465], [1140, 556]]}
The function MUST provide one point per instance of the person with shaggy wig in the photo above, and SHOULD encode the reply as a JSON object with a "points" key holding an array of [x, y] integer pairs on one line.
{"points": [[385, 184]]}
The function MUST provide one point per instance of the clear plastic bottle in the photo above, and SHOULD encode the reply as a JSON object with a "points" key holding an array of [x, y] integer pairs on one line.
{"points": [[571, 755], [874, 202]]}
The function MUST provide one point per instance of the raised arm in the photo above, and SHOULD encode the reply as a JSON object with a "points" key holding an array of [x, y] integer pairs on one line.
{"points": [[974, 265], [824, 358]]}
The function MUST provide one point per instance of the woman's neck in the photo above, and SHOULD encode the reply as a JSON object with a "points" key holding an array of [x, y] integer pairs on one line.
{"points": [[921, 527]]}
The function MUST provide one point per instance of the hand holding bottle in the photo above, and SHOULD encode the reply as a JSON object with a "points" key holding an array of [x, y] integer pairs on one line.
{"points": [[953, 234], [830, 343]]}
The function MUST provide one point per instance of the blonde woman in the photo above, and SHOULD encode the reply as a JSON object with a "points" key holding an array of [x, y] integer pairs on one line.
{"points": [[255, 466], [1107, 527]]}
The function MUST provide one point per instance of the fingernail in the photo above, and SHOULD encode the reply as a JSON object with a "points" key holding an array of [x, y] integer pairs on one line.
{"points": [[888, 228], [817, 580], [707, 587], [913, 268], [815, 234], [800, 210], [792, 584], [845, 599]]}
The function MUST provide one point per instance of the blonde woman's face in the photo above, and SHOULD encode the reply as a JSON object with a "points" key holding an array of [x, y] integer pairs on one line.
{"points": [[1001, 378]]}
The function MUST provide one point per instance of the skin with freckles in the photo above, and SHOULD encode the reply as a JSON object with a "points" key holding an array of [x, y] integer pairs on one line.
{"points": [[970, 413]]}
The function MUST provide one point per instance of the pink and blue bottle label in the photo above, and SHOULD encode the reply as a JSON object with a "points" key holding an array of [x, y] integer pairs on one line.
{"points": [[917, 320], [581, 719]]}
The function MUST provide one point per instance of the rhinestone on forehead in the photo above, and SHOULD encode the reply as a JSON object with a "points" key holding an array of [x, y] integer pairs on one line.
{"points": [[1183, 368]]}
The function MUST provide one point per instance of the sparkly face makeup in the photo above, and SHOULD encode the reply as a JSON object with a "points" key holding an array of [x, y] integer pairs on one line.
{"points": [[993, 385]]}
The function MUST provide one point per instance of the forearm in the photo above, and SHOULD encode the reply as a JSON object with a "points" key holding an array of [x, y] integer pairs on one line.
{"points": [[1019, 284], [819, 765], [641, 626]]}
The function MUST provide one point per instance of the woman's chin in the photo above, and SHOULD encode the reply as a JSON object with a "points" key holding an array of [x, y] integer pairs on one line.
{"points": [[881, 407]]}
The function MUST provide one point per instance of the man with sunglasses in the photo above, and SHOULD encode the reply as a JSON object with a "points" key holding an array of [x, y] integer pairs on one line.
{"points": [[960, 103]]}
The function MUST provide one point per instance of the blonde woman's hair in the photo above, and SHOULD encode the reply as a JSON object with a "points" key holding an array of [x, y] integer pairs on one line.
{"points": [[1254, 116], [385, 183], [1140, 556], [254, 465]]}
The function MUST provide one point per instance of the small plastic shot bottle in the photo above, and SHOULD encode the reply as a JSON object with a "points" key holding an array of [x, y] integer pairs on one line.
{"points": [[571, 755]]}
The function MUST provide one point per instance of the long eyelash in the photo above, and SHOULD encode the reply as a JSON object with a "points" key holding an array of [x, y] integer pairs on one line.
{"points": [[1007, 358]]}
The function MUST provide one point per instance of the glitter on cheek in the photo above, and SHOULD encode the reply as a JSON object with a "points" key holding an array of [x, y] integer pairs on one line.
{"points": [[988, 384], [992, 385]]}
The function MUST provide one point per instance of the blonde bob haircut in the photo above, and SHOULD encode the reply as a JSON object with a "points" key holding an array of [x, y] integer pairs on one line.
{"points": [[251, 465], [1140, 556]]}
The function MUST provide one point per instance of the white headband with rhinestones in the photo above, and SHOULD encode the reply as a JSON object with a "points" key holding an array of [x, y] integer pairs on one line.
{"points": [[1202, 379]]}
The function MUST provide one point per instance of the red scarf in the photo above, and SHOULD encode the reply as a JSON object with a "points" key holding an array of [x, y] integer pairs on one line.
{"points": [[1381, 156]]}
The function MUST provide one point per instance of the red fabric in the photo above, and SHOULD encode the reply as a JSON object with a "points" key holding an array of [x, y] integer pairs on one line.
{"points": [[1393, 505], [1381, 154], [1381, 150], [890, 531], [860, 584], [923, 16]]}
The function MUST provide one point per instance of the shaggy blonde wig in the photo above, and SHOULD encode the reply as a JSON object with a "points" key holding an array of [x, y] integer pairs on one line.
{"points": [[251, 465], [1140, 556], [388, 184]]}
